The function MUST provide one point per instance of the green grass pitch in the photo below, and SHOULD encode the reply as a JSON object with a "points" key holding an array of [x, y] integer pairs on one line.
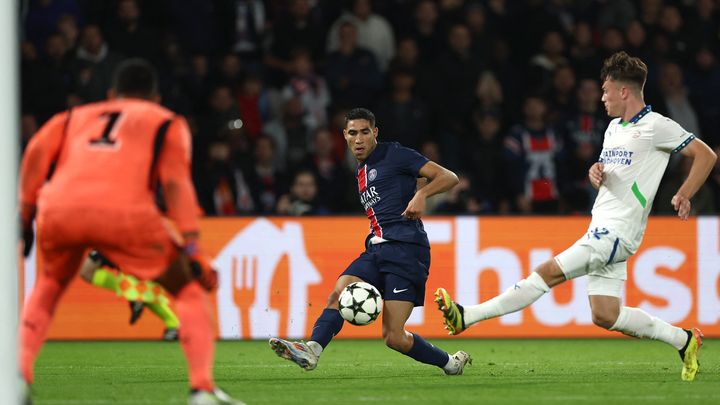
{"points": [[366, 372]]}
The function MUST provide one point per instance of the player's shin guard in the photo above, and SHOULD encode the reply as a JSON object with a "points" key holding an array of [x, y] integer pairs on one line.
{"points": [[35, 321], [638, 323], [515, 298], [197, 335], [424, 352], [327, 326]]}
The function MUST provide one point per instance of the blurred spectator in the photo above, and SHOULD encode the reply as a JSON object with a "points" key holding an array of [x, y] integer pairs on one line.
{"points": [[650, 13], [310, 88], [459, 199], [290, 134], [532, 154], [671, 24], [512, 79], [703, 23], [583, 133], [402, 117], [264, 180], [67, 27], [130, 36], [373, 32], [543, 64], [254, 105], [426, 32], [222, 185], [222, 113], [674, 101], [584, 56], [456, 76], [612, 41], [483, 162], [334, 180], [477, 24], [302, 198], [352, 72], [94, 65], [714, 183], [615, 13], [42, 17], [408, 59], [489, 94], [703, 202], [703, 84], [636, 36], [231, 71], [46, 81], [561, 97], [247, 27], [196, 82], [294, 30]]}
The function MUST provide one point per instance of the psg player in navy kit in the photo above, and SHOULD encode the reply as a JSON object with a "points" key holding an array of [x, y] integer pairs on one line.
{"points": [[396, 259]]}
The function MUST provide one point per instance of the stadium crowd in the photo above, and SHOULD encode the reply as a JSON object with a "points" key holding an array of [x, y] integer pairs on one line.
{"points": [[505, 93]]}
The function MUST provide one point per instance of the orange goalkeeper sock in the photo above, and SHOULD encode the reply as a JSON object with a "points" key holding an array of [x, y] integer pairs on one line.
{"points": [[196, 336], [35, 321]]}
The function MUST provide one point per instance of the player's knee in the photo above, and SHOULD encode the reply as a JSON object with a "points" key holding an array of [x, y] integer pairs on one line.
{"points": [[332, 301], [87, 270], [604, 319]]}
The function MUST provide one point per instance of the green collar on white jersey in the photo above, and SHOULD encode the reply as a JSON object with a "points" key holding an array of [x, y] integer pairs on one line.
{"points": [[637, 116]]}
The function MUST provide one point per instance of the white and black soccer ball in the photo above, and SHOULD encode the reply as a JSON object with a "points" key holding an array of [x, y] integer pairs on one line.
{"points": [[360, 303]]}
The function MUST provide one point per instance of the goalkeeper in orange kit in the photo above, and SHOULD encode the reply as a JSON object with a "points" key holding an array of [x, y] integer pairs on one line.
{"points": [[123, 148]]}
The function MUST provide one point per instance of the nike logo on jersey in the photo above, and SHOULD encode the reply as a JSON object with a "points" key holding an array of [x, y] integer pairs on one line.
{"points": [[396, 291]]}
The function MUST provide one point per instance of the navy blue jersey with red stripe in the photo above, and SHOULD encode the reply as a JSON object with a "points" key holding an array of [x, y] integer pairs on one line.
{"points": [[387, 181]]}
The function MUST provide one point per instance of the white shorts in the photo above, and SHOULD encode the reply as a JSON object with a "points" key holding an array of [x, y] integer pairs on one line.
{"points": [[600, 255]]}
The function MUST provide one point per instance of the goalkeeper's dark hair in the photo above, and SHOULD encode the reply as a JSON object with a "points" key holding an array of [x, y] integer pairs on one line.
{"points": [[360, 114], [622, 67], [135, 77]]}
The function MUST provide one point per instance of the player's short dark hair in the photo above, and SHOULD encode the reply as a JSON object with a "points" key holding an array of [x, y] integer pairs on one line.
{"points": [[624, 68], [135, 77], [360, 114]]}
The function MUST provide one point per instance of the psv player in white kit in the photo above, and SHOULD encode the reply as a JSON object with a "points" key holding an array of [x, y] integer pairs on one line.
{"points": [[636, 149]]}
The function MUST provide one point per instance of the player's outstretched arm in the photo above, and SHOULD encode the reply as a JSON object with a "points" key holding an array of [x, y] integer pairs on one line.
{"points": [[440, 180], [703, 161]]}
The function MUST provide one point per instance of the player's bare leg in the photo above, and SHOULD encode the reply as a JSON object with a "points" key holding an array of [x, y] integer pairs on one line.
{"points": [[457, 318], [329, 324], [608, 313], [394, 316]]}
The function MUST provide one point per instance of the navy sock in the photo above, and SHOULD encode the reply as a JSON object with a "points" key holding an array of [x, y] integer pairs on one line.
{"points": [[424, 352], [327, 326]]}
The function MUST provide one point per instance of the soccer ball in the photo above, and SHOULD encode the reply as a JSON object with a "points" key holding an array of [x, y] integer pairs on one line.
{"points": [[360, 303]]}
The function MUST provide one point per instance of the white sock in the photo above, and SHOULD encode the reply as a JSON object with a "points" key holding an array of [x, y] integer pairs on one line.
{"points": [[638, 323], [515, 298], [315, 347], [451, 365]]}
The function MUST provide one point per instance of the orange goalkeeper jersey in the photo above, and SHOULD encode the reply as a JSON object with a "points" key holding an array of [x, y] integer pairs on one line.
{"points": [[111, 155]]}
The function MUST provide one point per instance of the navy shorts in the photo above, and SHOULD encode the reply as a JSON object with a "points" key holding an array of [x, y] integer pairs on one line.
{"points": [[398, 269]]}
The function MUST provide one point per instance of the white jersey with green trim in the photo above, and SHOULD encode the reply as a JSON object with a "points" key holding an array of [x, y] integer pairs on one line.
{"points": [[635, 154]]}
